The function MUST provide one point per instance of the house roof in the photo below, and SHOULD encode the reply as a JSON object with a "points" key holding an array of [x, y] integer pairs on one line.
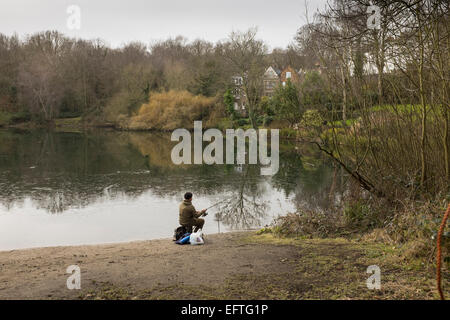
{"points": [[271, 73]]}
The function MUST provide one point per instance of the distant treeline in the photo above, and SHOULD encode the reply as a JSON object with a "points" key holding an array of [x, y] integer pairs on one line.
{"points": [[48, 75]]}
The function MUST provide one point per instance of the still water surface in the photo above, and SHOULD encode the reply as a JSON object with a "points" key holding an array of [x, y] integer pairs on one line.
{"points": [[59, 188]]}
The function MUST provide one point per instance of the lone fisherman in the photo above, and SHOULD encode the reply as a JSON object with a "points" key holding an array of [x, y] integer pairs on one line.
{"points": [[189, 217]]}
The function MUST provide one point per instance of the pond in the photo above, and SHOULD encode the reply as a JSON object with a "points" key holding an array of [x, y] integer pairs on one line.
{"points": [[104, 186]]}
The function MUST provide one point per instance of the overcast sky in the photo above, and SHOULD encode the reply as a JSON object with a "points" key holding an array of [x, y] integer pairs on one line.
{"points": [[121, 21]]}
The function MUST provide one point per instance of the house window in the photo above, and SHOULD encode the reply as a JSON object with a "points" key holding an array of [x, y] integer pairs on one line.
{"points": [[288, 75], [270, 85], [236, 106], [238, 81]]}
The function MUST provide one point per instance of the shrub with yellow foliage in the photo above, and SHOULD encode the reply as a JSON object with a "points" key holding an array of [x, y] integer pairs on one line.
{"points": [[171, 110]]}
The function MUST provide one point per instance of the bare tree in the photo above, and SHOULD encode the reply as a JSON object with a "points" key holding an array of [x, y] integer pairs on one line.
{"points": [[246, 55]]}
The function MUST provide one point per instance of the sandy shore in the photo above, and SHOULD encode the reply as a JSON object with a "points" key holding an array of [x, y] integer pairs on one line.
{"points": [[229, 265], [41, 272]]}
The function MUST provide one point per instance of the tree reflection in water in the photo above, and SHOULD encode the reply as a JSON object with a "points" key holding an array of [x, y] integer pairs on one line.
{"points": [[245, 208]]}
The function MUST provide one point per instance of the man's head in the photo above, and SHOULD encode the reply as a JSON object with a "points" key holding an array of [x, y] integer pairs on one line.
{"points": [[188, 196]]}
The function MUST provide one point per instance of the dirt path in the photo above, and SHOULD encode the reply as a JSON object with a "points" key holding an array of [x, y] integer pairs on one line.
{"points": [[228, 266]]}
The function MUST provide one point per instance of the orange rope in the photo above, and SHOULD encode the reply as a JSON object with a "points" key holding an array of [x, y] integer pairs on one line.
{"points": [[438, 264]]}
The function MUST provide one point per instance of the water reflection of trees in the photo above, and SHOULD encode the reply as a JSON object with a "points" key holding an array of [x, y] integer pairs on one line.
{"points": [[309, 177], [244, 208], [58, 171]]}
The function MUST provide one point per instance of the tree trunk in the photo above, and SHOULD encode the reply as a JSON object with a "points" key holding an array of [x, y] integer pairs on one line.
{"points": [[423, 138], [344, 95]]}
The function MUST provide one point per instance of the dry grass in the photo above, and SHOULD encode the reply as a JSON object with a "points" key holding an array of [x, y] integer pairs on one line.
{"points": [[308, 224], [411, 225]]}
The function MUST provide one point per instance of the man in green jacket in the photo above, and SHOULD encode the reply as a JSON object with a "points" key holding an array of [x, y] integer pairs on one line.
{"points": [[189, 217]]}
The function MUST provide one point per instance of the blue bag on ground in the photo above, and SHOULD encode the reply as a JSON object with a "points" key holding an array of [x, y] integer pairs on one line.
{"points": [[184, 239]]}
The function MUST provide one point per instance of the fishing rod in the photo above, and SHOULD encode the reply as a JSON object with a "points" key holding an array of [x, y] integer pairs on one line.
{"points": [[217, 203]]}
